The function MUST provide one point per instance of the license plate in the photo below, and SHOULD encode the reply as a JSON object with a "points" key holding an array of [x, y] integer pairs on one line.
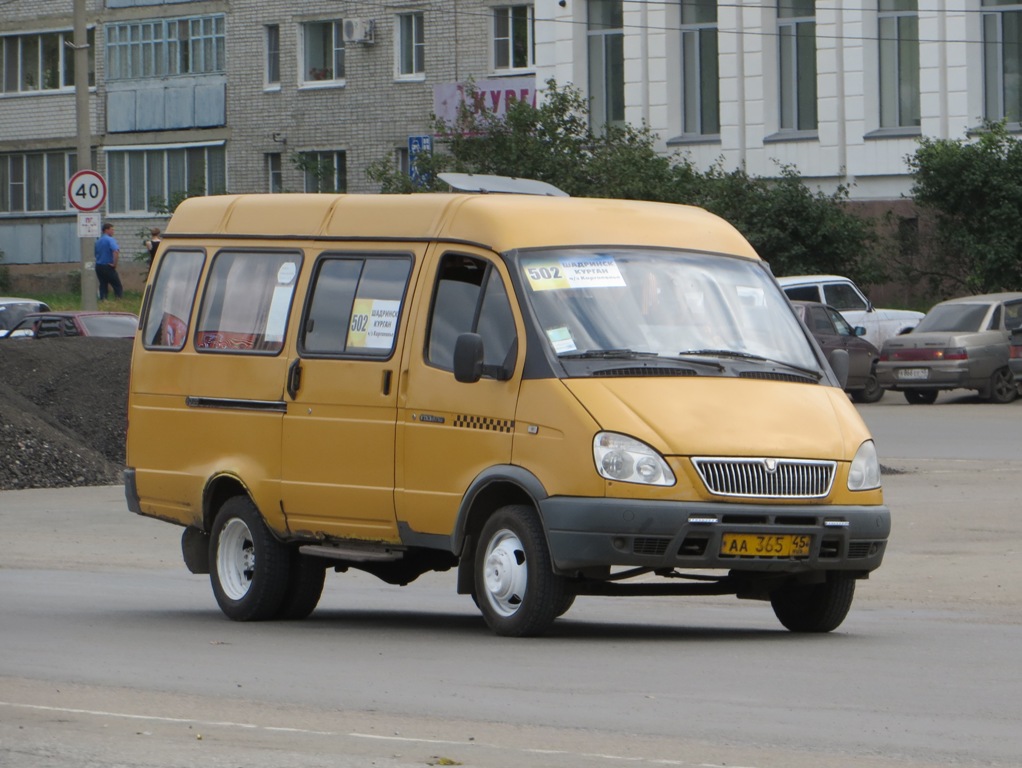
{"points": [[913, 374], [762, 545]]}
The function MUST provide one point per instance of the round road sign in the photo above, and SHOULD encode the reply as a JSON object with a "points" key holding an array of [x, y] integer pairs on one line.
{"points": [[86, 190]]}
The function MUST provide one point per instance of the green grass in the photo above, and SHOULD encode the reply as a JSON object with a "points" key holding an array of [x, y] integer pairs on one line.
{"points": [[130, 302]]}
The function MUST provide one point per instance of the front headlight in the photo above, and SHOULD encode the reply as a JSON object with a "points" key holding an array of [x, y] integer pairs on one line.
{"points": [[864, 474], [628, 460]]}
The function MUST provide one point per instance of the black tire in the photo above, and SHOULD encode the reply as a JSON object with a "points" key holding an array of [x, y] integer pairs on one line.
{"points": [[566, 602], [515, 585], [1003, 388], [248, 566], [305, 581], [871, 393], [921, 396], [814, 607]]}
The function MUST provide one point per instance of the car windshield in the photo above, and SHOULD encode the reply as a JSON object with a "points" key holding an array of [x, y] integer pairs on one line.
{"points": [[953, 317], [633, 302], [110, 325], [11, 314]]}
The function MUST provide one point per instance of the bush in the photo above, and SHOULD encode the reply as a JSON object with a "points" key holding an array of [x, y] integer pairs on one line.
{"points": [[794, 228]]}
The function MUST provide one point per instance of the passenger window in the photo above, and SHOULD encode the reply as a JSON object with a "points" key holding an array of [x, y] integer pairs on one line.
{"points": [[844, 297], [247, 301], [470, 297], [803, 293], [995, 319], [1013, 315], [820, 321], [355, 306], [170, 309], [842, 325]]}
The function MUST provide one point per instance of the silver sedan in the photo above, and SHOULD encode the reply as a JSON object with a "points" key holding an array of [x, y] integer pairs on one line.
{"points": [[961, 344]]}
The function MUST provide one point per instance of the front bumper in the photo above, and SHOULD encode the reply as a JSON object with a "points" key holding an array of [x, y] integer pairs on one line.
{"points": [[586, 533]]}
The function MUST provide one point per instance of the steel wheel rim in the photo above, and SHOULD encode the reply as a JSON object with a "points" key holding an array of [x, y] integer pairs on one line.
{"points": [[505, 573], [235, 559], [1003, 385]]}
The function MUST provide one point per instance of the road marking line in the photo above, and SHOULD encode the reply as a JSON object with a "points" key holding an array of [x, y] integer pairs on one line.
{"points": [[355, 735]]}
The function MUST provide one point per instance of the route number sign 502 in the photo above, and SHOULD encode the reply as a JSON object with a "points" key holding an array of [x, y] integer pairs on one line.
{"points": [[86, 190]]}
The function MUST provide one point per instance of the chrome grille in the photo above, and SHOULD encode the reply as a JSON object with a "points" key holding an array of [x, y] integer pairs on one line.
{"points": [[766, 478]]}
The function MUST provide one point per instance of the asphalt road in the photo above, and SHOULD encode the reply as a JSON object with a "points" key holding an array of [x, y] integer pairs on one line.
{"points": [[112, 654]]}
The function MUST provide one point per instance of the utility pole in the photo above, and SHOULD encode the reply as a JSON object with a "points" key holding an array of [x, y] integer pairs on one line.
{"points": [[84, 128]]}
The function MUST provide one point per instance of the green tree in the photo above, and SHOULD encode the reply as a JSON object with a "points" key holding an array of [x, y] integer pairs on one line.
{"points": [[796, 229], [972, 189]]}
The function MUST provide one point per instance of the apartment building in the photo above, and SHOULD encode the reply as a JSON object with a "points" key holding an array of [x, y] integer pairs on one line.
{"points": [[201, 96], [842, 91], [207, 96]]}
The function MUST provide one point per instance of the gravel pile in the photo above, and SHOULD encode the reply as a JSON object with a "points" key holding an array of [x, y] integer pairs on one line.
{"points": [[63, 411]]}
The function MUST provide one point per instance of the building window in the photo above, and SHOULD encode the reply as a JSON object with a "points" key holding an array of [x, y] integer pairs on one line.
{"points": [[605, 32], [324, 171], [35, 181], [182, 46], [272, 55], [42, 62], [700, 76], [411, 45], [513, 37], [153, 180], [1002, 61], [796, 32], [899, 63], [274, 172], [323, 44]]}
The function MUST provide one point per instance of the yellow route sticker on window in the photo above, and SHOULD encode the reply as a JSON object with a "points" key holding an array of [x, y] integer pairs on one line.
{"points": [[581, 272]]}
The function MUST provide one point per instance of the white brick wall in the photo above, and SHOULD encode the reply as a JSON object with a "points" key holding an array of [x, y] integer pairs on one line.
{"points": [[951, 84]]}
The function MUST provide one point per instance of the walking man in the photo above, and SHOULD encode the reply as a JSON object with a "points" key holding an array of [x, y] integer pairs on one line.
{"points": [[107, 254]]}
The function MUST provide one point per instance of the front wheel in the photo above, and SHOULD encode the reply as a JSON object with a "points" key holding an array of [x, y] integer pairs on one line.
{"points": [[1003, 388], [248, 566], [515, 585], [921, 396], [871, 393], [814, 607]]}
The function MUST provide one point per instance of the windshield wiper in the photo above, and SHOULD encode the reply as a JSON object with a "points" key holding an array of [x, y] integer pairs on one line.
{"points": [[605, 354], [749, 356]]}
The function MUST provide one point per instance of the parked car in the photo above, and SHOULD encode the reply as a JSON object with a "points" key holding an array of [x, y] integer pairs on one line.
{"points": [[832, 331], [13, 309], [41, 325], [846, 297], [961, 344]]}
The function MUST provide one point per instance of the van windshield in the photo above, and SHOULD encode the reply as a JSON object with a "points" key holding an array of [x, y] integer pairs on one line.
{"points": [[635, 302]]}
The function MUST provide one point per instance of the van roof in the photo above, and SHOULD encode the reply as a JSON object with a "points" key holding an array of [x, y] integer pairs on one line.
{"points": [[499, 221]]}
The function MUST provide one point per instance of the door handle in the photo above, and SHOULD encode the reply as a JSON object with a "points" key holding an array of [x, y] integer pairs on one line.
{"points": [[294, 378]]}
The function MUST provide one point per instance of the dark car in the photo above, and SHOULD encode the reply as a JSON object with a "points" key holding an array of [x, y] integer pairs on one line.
{"points": [[962, 343], [13, 309], [832, 331], [42, 325]]}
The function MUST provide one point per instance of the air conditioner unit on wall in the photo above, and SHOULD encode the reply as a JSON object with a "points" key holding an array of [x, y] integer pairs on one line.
{"points": [[359, 30]]}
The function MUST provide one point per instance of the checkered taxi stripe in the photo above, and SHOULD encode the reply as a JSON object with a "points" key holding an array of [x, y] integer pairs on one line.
{"points": [[485, 423]]}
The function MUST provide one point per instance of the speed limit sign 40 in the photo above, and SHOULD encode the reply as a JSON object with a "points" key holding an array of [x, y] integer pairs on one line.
{"points": [[86, 190]]}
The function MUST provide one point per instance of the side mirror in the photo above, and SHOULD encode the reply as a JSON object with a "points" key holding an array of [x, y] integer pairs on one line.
{"points": [[839, 363], [468, 358], [859, 330]]}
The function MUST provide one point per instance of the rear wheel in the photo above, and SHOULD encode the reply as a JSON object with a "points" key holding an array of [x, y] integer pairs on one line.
{"points": [[515, 586], [921, 396], [814, 607], [248, 566], [304, 587], [1003, 388]]}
